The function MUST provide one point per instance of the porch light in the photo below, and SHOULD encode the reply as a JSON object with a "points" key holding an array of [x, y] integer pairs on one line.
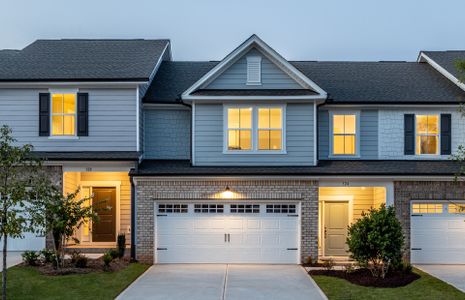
{"points": [[227, 193]]}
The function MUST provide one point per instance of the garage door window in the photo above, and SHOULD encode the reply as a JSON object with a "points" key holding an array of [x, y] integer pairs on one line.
{"points": [[427, 208], [172, 208], [280, 209], [456, 209], [208, 208], [245, 208]]}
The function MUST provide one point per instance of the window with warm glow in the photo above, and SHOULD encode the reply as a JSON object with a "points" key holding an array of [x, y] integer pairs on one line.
{"points": [[270, 129], [63, 114], [427, 134], [344, 134], [240, 128], [427, 208]]}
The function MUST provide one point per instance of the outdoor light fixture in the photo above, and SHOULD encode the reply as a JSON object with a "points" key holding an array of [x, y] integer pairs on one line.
{"points": [[227, 192]]}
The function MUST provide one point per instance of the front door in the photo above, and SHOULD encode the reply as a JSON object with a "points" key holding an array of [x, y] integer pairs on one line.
{"points": [[335, 228], [104, 202]]}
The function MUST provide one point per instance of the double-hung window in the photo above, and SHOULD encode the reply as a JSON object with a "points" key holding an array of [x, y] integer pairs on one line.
{"points": [[427, 134], [63, 115], [344, 134], [254, 128]]}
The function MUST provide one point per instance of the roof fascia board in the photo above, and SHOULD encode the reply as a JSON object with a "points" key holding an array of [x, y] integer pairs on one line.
{"points": [[138, 177], [393, 105], [441, 70], [216, 98], [72, 83], [236, 53], [165, 106]]}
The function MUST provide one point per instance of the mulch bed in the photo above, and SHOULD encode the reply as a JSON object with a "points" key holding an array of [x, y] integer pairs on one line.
{"points": [[363, 277], [93, 266]]}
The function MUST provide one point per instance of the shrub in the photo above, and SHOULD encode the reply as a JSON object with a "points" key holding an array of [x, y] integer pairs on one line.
{"points": [[121, 244], [404, 267], [114, 253], [107, 258], [328, 264], [78, 259], [31, 257], [376, 240], [48, 255]]}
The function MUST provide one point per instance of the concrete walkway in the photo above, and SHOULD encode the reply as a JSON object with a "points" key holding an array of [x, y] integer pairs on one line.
{"points": [[12, 259], [219, 282], [452, 274]]}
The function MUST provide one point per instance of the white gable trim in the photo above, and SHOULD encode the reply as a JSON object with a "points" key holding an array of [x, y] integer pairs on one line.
{"points": [[423, 57], [274, 56]]}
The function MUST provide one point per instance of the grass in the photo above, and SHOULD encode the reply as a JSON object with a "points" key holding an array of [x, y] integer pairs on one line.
{"points": [[27, 283], [427, 287]]}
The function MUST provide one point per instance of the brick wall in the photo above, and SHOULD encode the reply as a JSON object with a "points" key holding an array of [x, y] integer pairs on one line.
{"points": [[150, 190], [405, 191]]}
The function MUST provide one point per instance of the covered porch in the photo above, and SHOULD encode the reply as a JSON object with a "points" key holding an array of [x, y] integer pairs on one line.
{"points": [[341, 205]]}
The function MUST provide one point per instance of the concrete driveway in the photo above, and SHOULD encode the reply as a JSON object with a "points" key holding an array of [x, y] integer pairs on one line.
{"points": [[218, 281], [12, 258], [452, 274]]}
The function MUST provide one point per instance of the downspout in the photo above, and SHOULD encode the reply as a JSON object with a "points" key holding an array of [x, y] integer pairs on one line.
{"points": [[133, 211], [318, 131], [190, 147]]}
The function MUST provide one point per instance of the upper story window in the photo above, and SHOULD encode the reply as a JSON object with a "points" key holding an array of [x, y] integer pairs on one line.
{"points": [[254, 70], [270, 130], [63, 115], [344, 139], [240, 128], [427, 134], [254, 129]]}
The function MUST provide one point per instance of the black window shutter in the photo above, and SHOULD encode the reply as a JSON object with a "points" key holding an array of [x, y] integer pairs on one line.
{"points": [[83, 114], [44, 114], [446, 134], [409, 134]]}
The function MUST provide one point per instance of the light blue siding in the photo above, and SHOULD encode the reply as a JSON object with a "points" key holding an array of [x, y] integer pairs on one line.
{"points": [[368, 134], [235, 77], [112, 120], [167, 133], [209, 139]]}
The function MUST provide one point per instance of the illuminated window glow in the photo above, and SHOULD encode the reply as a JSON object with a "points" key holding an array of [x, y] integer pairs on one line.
{"points": [[240, 128], [344, 134], [270, 129], [427, 134], [63, 114], [427, 208]]}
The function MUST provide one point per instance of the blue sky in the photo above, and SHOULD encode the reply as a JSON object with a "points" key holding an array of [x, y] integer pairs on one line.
{"points": [[209, 29]]}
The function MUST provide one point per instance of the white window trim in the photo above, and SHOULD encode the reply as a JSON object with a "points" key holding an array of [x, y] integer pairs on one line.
{"points": [[357, 134], [63, 137], [258, 59], [254, 149], [438, 135]]}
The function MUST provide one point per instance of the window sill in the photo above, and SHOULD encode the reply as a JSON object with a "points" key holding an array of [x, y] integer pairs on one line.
{"points": [[266, 152], [63, 138], [343, 156]]}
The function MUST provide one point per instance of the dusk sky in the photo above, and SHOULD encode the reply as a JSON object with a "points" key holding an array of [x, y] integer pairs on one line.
{"points": [[209, 29]]}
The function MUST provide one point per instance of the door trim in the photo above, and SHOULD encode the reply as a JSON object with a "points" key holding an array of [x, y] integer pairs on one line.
{"points": [[111, 184], [337, 198]]}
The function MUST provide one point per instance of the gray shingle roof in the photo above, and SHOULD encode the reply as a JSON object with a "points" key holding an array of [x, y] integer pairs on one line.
{"points": [[83, 60], [447, 59], [325, 167], [345, 82], [89, 155]]}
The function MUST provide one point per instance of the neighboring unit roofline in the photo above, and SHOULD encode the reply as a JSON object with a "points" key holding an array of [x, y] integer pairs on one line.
{"points": [[424, 57]]}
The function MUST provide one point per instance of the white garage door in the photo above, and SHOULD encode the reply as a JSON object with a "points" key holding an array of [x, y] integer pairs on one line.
{"points": [[227, 233], [437, 233], [29, 242]]}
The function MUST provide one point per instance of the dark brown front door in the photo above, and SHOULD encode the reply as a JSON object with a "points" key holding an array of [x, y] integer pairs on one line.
{"points": [[105, 229]]}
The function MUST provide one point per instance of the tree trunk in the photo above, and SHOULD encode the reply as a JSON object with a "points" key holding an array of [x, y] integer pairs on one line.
{"points": [[5, 242]]}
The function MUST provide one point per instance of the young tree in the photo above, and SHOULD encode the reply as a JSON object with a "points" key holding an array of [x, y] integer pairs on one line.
{"points": [[59, 215], [17, 171]]}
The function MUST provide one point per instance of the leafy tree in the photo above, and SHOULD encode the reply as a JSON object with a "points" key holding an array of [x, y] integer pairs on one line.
{"points": [[376, 240], [17, 171], [60, 215]]}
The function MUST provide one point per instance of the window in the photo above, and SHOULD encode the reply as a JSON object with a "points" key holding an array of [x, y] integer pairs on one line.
{"points": [[344, 134], [240, 128], [280, 209], [456, 209], [254, 66], [63, 114], [427, 134], [245, 208], [270, 129], [427, 208], [254, 129], [172, 208], [208, 208]]}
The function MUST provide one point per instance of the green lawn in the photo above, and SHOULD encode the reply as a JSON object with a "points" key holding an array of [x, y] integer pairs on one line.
{"points": [[427, 287], [27, 283]]}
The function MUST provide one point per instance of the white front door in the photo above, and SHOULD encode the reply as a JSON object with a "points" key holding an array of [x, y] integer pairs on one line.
{"points": [[336, 221], [437, 232], [227, 233]]}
